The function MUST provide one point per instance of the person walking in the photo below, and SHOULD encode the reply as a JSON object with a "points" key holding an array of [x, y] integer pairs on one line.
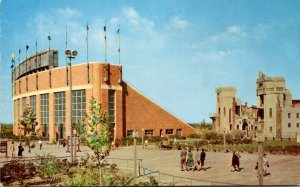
{"points": [[265, 164], [183, 157], [20, 150], [197, 159], [202, 159], [41, 144], [190, 160], [234, 162], [12, 148], [238, 156], [146, 144]]}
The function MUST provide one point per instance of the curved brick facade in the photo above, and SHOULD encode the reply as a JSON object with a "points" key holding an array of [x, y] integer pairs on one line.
{"points": [[132, 110]]}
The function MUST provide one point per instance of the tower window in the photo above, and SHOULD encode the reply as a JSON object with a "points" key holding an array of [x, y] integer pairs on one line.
{"points": [[270, 112], [289, 115], [289, 125], [224, 111]]}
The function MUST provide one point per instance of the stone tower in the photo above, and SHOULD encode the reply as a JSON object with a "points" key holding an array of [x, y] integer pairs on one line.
{"points": [[225, 118], [271, 94]]}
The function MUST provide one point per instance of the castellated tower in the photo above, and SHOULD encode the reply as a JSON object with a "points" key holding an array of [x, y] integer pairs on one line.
{"points": [[271, 94], [281, 113], [226, 97]]}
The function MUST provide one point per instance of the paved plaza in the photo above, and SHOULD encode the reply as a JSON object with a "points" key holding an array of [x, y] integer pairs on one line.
{"points": [[284, 170]]}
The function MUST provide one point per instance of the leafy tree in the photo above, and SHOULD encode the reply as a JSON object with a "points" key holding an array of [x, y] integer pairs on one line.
{"points": [[95, 130], [29, 123]]}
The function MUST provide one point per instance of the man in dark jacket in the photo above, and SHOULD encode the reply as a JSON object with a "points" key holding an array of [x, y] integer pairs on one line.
{"points": [[202, 159], [20, 150], [235, 162]]}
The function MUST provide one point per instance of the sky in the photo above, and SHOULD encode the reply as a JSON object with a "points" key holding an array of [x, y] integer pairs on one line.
{"points": [[175, 52]]}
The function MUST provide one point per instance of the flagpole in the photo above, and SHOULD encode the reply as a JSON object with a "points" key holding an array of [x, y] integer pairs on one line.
{"points": [[19, 71], [26, 68], [87, 51], [67, 80], [119, 50], [105, 47], [49, 38], [36, 66], [12, 74]]}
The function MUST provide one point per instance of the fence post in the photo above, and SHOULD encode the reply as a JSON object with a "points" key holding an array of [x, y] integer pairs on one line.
{"points": [[173, 181], [159, 177], [139, 169]]}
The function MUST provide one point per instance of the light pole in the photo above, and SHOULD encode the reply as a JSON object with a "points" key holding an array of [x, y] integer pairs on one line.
{"points": [[71, 55], [260, 157], [135, 153], [224, 144], [143, 138]]}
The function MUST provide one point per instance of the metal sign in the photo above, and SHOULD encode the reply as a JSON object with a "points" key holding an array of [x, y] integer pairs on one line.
{"points": [[3, 147]]}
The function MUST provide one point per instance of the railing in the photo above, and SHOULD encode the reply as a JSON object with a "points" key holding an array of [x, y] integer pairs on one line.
{"points": [[173, 180]]}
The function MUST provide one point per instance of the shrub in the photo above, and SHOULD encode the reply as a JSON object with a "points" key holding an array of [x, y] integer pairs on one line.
{"points": [[152, 182], [129, 141], [17, 170], [50, 167], [194, 135]]}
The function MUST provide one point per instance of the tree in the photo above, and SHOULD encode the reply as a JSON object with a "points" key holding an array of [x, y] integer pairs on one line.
{"points": [[28, 123], [95, 130]]}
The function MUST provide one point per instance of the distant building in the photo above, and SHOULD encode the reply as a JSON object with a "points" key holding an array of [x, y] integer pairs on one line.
{"points": [[276, 114], [39, 83]]}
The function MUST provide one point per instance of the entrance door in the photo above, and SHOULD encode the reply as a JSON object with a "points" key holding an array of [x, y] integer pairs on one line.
{"points": [[160, 132], [178, 132], [245, 126]]}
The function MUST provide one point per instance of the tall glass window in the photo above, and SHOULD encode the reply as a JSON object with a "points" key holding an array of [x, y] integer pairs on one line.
{"points": [[78, 105], [111, 106], [111, 111], [60, 114], [23, 105], [18, 110], [44, 114], [33, 103], [60, 107]]}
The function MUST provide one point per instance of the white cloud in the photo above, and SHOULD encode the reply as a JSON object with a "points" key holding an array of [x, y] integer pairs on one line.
{"points": [[67, 12], [217, 56], [233, 29], [178, 23], [230, 34], [131, 14]]}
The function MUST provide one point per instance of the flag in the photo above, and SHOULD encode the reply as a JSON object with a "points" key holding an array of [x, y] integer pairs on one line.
{"points": [[104, 28], [119, 50], [87, 27], [49, 37], [13, 55], [27, 47], [118, 31], [104, 37], [19, 51]]}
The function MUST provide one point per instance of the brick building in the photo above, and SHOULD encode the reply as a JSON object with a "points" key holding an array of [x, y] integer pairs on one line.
{"points": [[39, 83]]}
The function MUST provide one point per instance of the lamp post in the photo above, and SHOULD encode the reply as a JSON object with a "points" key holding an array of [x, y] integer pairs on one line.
{"points": [[224, 143], [260, 140], [135, 153], [71, 55], [143, 137]]}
